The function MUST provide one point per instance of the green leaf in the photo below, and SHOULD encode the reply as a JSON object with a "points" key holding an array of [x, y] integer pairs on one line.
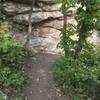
{"points": [[76, 98]]}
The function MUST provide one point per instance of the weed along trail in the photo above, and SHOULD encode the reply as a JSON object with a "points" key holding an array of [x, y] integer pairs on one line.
{"points": [[41, 85]]}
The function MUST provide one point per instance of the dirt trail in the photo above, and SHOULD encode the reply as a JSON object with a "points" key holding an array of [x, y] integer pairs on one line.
{"points": [[41, 85]]}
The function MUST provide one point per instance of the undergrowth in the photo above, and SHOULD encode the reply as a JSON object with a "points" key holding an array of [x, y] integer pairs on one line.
{"points": [[79, 78], [12, 60]]}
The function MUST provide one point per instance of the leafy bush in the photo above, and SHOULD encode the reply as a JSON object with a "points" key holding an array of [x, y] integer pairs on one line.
{"points": [[3, 96], [12, 54], [79, 76], [19, 94], [9, 77], [12, 59], [78, 72]]}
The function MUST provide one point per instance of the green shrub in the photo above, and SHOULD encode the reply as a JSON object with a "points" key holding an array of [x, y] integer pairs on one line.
{"points": [[9, 77], [3, 96], [79, 76], [11, 53], [12, 59], [19, 94]]}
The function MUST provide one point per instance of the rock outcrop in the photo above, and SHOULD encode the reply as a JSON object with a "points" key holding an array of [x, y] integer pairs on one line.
{"points": [[47, 22], [46, 18]]}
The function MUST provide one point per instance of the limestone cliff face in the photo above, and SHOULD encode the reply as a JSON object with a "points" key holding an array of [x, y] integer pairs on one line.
{"points": [[46, 18], [30, 1], [41, 11]]}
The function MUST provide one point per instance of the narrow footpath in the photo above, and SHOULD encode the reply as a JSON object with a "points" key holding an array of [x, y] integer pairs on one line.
{"points": [[41, 85]]}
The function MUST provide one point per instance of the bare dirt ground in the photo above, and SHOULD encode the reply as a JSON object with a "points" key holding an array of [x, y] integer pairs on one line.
{"points": [[41, 85]]}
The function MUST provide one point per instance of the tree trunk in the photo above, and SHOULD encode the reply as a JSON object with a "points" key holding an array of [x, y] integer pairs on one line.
{"points": [[30, 24], [64, 26], [80, 43]]}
